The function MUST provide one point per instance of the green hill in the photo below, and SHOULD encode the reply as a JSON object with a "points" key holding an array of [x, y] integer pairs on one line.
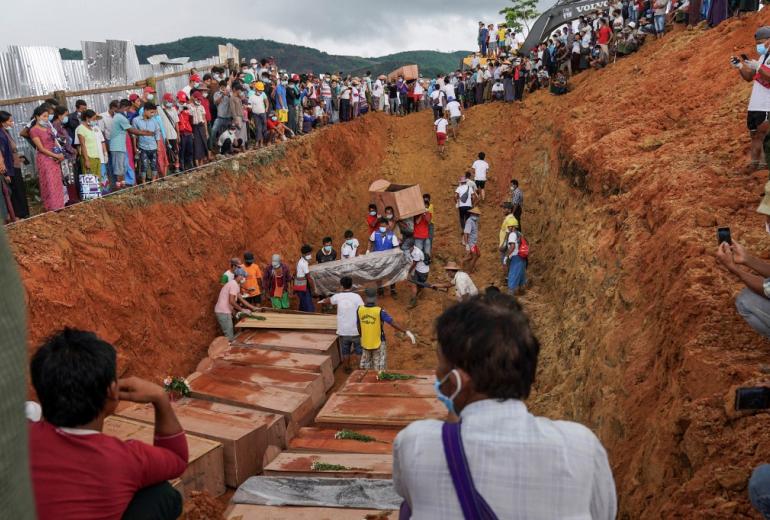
{"points": [[297, 58]]}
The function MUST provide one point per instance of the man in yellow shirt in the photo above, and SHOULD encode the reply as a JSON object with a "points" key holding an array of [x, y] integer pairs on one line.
{"points": [[371, 326], [252, 287], [502, 242]]}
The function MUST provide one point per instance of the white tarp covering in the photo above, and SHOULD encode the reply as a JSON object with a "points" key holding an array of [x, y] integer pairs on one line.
{"points": [[380, 269], [358, 493]]}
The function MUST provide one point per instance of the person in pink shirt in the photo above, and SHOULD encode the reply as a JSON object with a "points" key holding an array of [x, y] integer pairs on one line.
{"points": [[230, 300], [79, 473]]}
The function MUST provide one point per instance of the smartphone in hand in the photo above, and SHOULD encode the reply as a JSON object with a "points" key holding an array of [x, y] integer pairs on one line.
{"points": [[752, 398], [723, 235]]}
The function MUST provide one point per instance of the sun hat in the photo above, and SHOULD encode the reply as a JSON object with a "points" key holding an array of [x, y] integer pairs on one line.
{"points": [[763, 33], [475, 211], [451, 266]]}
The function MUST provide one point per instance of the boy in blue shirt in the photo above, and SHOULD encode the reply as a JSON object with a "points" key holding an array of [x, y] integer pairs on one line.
{"points": [[147, 145]]}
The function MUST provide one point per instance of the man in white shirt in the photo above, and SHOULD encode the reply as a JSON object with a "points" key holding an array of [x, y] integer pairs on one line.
{"points": [[347, 303], [449, 89], [523, 466], [418, 273], [460, 280], [437, 99], [378, 92], [465, 198], [455, 116], [480, 169], [758, 73], [350, 247], [259, 105], [441, 125]]}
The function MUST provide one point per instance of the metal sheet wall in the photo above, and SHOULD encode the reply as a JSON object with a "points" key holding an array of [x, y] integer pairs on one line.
{"points": [[34, 71]]}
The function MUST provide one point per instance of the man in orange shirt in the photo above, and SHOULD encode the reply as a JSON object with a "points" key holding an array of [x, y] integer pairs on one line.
{"points": [[252, 287]]}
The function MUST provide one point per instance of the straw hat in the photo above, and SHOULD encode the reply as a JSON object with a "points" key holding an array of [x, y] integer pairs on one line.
{"points": [[451, 266], [475, 211]]}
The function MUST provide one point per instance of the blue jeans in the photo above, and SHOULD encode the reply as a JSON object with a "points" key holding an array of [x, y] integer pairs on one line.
{"points": [[148, 164], [755, 309], [759, 490], [660, 23]]}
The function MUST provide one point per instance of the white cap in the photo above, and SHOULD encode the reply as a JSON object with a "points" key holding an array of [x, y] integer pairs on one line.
{"points": [[253, 61]]}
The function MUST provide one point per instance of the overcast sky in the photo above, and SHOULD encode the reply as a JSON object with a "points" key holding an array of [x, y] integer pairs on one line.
{"points": [[362, 28]]}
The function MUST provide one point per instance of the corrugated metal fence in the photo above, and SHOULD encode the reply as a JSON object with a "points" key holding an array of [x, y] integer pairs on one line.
{"points": [[27, 71]]}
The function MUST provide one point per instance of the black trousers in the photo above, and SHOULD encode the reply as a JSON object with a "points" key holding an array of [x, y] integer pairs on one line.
{"points": [[19, 194], [518, 89], [464, 215], [158, 502], [517, 214], [186, 151]]}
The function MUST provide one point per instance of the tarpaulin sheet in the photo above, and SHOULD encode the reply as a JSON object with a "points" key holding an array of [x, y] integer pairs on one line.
{"points": [[380, 269], [359, 493]]}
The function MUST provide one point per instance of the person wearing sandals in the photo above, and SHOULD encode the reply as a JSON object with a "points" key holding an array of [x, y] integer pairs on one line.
{"points": [[493, 458]]}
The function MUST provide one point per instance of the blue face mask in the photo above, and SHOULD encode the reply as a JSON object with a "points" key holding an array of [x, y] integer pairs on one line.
{"points": [[761, 49], [65, 120], [50, 117], [448, 401]]}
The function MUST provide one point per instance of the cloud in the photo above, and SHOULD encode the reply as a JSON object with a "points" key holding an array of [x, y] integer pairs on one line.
{"points": [[362, 28]]}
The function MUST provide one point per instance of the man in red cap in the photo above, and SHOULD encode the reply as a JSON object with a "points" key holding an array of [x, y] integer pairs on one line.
{"points": [[195, 82]]}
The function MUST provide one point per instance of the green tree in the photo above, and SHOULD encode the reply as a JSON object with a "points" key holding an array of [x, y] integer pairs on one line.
{"points": [[520, 13]]}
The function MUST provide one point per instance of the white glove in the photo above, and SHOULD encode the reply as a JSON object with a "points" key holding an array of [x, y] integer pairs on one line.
{"points": [[467, 247], [505, 260], [411, 337]]}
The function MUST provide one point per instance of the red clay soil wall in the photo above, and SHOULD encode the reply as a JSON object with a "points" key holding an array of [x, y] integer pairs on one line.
{"points": [[632, 172], [142, 268]]}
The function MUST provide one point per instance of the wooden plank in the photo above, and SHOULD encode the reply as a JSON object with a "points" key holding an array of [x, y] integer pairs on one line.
{"points": [[275, 423], [259, 357], [244, 443], [365, 382], [323, 440], [279, 320], [293, 380], [293, 341], [360, 465], [205, 469], [295, 406], [349, 410], [255, 512]]}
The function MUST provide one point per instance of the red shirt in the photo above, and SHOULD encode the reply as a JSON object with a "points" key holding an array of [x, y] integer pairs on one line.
{"points": [[603, 35], [371, 221], [271, 125], [185, 122], [422, 225], [94, 476]]}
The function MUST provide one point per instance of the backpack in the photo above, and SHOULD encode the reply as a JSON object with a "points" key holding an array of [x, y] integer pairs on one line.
{"points": [[523, 247]]}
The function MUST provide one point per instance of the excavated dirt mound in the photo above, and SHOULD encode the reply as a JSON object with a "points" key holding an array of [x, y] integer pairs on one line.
{"points": [[625, 179]]}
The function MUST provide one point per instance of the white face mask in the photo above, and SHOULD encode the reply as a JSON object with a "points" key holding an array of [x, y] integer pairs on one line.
{"points": [[150, 97], [276, 265], [383, 229], [308, 257]]}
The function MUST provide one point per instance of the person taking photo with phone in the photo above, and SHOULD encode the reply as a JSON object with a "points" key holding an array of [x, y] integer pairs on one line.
{"points": [[758, 72], [753, 302]]}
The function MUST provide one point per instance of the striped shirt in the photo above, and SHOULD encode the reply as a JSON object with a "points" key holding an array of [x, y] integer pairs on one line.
{"points": [[517, 197]]}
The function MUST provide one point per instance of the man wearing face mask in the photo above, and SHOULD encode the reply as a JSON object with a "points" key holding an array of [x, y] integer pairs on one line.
{"points": [[229, 301], [383, 239], [303, 282], [327, 252], [497, 451], [277, 282], [757, 72], [753, 302], [372, 218]]}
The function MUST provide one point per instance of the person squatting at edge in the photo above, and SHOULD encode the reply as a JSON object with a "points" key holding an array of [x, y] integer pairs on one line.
{"points": [[78, 473]]}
